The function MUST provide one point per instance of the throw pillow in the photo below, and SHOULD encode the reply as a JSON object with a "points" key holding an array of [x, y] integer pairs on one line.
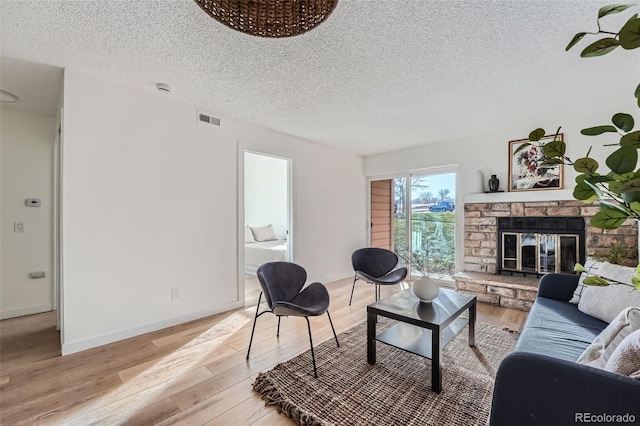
{"points": [[264, 233], [605, 303], [604, 345], [248, 235], [617, 273], [626, 358], [593, 267]]}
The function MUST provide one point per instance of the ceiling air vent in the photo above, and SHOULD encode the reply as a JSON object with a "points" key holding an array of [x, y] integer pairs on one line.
{"points": [[206, 118]]}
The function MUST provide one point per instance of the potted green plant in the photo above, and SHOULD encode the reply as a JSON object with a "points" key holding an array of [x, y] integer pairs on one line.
{"points": [[616, 188]]}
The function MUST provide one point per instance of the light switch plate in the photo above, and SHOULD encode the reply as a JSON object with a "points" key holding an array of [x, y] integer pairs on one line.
{"points": [[18, 226]]}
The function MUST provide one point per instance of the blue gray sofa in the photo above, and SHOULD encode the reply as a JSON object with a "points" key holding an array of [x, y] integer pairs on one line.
{"points": [[541, 384]]}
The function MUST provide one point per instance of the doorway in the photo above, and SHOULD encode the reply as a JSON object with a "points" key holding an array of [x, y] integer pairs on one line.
{"points": [[267, 216], [416, 213]]}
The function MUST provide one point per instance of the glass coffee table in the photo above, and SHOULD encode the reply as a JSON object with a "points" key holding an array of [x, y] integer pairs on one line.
{"points": [[423, 328]]}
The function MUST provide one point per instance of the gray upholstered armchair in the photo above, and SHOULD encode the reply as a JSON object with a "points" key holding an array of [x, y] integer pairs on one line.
{"points": [[376, 266], [282, 285]]}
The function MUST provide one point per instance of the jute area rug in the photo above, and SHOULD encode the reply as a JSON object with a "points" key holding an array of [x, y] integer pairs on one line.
{"points": [[395, 391]]}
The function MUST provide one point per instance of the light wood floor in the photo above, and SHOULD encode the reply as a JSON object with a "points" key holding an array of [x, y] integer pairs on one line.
{"points": [[194, 373]]}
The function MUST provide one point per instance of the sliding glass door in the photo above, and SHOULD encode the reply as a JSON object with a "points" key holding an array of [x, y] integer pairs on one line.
{"points": [[425, 217]]}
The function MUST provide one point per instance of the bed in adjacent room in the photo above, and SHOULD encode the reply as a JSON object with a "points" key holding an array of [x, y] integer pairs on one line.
{"points": [[261, 246]]}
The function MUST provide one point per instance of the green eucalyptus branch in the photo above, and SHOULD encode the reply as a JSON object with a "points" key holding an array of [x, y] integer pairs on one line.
{"points": [[627, 37], [618, 189], [597, 281]]}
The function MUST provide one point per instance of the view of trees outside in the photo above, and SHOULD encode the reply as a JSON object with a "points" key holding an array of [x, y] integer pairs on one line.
{"points": [[432, 215]]}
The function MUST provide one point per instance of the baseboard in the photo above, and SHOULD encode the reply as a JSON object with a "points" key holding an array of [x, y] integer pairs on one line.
{"points": [[28, 310], [104, 339]]}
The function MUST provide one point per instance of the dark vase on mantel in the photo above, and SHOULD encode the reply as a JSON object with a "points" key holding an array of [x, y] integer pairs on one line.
{"points": [[494, 183]]}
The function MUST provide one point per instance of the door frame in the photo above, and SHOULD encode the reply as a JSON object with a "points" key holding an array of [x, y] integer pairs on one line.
{"points": [[290, 157], [58, 236], [55, 276]]}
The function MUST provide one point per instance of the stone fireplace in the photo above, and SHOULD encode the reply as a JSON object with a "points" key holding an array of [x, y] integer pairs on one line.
{"points": [[483, 245]]}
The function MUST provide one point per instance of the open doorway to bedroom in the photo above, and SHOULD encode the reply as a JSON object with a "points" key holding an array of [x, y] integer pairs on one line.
{"points": [[267, 216]]}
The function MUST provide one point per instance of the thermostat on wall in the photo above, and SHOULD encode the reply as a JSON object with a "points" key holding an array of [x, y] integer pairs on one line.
{"points": [[33, 202]]}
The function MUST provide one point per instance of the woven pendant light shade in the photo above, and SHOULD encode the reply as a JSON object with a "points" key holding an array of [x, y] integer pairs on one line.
{"points": [[269, 18]]}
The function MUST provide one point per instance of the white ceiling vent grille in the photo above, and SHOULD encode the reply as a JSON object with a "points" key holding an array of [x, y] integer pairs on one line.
{"points": [[206, 118]]}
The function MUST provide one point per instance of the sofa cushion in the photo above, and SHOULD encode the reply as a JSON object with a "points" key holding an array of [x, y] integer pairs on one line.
{"points": [[605, 303], [591, 265], [558, 329], [626, 358], [600, 350], [617, 273]]}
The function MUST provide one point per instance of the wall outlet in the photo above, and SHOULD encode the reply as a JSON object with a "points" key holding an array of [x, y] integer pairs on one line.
{"points": [[175, 293], [38, 274]]}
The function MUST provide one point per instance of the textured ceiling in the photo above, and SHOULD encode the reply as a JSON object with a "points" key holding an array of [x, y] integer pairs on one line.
{"points": [[378, 75]]}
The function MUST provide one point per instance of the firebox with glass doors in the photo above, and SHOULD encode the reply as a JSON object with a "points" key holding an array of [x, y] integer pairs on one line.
{"points": [[540, 245]]}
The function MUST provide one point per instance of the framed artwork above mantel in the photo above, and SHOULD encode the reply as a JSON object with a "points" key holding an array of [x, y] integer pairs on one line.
{"points": [[526, 172]]}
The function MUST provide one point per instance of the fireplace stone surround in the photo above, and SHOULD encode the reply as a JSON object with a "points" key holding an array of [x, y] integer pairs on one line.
{"points": [[481, 247]]}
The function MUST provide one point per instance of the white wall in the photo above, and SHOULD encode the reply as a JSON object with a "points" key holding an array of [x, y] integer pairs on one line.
{"points": [[150, 203], [266, 192], [26, 164]]}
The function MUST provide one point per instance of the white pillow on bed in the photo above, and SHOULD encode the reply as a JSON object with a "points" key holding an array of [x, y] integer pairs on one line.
{"points": [[248, 235], [264, 233]]}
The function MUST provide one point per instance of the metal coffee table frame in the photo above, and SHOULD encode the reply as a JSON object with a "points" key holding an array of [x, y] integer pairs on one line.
{"points": [[423, 328]]}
